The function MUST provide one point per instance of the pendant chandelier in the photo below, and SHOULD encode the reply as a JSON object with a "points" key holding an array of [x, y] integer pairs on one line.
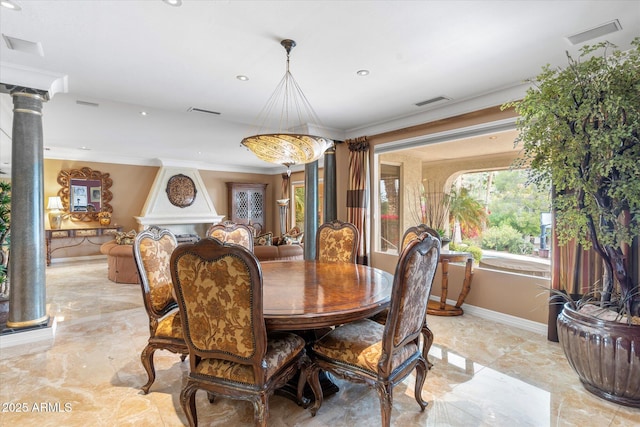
{"points": [[284, 146]]}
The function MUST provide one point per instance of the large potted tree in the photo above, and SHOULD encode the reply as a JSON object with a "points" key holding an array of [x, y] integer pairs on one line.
{"points": [[580, 130]]}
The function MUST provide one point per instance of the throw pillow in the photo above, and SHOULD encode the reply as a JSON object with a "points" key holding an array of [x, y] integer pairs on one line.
{"points": [[263, 239], [293, 240], [125, 238]]}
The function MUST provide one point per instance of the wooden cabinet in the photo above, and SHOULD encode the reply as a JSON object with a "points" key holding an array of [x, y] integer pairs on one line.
{"points": [[247, 203]]}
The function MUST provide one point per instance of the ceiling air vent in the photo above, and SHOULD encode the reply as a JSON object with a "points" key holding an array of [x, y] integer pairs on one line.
{"points": [[432, 101], [200, 110], [599, 31], [24, 46], [87, 103]]}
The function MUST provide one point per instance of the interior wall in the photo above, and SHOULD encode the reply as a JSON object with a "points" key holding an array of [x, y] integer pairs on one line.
{"points": [[215, 181], [131, 186], [513, 294], [517, 295]]}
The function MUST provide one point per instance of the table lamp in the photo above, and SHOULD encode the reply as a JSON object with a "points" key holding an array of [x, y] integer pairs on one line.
{"points": [[55, 214]]}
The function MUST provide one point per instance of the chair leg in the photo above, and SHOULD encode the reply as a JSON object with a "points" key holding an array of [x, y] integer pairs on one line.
{"points": [[261, 410], [385, 393], [146, 357], [314, 382], [426, 345], [188, 403], [183, 356], [421, 374]]}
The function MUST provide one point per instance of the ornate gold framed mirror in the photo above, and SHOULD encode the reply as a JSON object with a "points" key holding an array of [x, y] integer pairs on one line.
{"points": [[85, 192]]}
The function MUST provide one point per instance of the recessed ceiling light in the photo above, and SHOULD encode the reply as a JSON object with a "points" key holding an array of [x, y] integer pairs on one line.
{"points": [[362, 72], [242, 78], [10, 4], [85, 148], [174, 3], [144, 113]]}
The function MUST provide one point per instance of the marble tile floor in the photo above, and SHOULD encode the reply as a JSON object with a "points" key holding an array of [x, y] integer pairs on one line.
{"points": [[484, 374]]}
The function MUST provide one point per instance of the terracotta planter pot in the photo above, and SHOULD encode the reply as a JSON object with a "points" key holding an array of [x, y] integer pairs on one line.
{"points": [[604, 354]]}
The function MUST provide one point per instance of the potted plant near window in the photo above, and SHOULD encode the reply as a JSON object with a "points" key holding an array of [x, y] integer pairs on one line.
{"points": [[580, 130]]}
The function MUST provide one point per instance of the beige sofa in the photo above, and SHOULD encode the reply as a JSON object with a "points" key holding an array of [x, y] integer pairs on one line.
{"points": [[122, 267], [279, 253]]}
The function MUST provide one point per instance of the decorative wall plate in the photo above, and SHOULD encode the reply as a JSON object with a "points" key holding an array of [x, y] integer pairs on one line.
{"points": [[181, 191]]}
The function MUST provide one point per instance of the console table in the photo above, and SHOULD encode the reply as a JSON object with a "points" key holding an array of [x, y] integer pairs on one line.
{"points": [[441, 308], [84, 234]]}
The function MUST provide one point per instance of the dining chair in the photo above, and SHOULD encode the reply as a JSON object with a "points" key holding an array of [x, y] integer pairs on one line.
{"points": [[410, 234], [416, 230], [379, 355], [337, 241], [219, 291], [152, 250], [229, 231]]}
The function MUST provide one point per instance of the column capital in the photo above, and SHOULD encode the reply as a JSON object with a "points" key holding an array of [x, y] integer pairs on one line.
{"points": [[14, 76], [38, 94]]}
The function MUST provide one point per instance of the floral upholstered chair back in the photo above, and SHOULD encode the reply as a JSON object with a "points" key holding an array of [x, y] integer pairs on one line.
{"points": [[231, 232], [219, 292], [411, 290], [152, 251], [413, 232], [337, 241]]}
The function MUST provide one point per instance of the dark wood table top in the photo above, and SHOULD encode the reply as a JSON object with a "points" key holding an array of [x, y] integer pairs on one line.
{"points": [[302, 295]]}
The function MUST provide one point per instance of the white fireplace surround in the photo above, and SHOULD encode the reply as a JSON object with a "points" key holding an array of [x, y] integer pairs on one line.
{"points": [[159, 211]]}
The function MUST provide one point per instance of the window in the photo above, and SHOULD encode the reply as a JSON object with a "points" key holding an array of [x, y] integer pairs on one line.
{"points": [[515, 236], [389, 208], [478, 157], [297, 216]]}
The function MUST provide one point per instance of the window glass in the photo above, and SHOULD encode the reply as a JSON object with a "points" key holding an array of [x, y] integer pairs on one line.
{"points": [[297, 189], [389, 208]]}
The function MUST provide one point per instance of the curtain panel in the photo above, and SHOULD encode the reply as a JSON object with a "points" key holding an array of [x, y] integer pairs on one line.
{"points": [[358, 192]]}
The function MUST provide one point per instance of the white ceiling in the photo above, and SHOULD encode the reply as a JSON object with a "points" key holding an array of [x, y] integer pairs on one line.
{"points": [[146, 55]]}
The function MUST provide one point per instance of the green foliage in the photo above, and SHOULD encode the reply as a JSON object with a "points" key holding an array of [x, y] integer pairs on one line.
{"points": [[505, 238], [580, 130], [299, 203], [475, 251], [517, 202], [512, 198], [5, 228], [466, 210]]}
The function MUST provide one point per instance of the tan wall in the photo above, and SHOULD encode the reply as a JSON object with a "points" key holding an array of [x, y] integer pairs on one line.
{"points": [[517, 295], [131, 185], [513, 294]]}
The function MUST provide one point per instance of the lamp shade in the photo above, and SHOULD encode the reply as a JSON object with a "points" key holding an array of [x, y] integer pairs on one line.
{"points": [[275, 140], [54, 203], [287, 149]]}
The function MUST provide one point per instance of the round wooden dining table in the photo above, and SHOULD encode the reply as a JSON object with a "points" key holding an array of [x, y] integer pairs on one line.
{"points": [[302, 295]]}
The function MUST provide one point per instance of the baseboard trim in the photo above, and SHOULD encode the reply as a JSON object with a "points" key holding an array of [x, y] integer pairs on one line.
{"points": [[29, 336], [505, 319], [78, 259]]}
